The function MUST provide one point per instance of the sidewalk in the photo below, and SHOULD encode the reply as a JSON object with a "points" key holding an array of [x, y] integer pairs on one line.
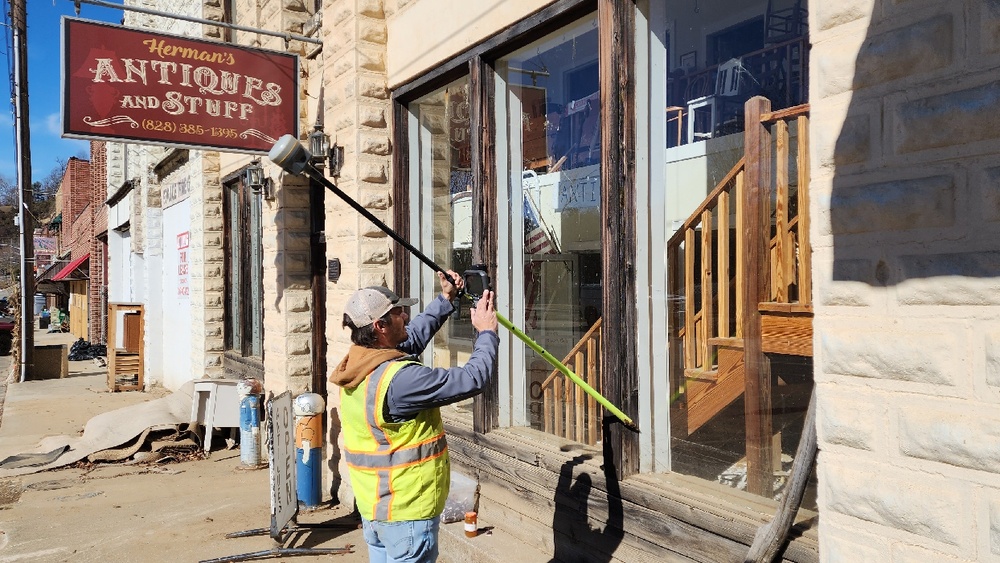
{"points": [[119, 512]]}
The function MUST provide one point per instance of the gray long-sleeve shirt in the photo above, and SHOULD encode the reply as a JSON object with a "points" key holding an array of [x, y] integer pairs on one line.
{"points": [[417, 387]]}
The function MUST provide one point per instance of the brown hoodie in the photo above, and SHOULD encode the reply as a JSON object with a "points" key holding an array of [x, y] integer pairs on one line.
{"points": [[359, 363]]}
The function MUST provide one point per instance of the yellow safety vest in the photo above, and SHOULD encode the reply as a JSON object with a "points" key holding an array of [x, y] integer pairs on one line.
{"points": [[399, 470]]}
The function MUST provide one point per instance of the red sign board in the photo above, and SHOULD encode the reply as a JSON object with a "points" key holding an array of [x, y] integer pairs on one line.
{"points": [[135, 85]]}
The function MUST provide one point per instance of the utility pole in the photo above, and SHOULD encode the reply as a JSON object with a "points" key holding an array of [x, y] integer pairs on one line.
{"points": [[19, 23]]}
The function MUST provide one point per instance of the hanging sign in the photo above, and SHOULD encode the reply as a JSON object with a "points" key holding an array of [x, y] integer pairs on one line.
{"points": [[138, 86]]}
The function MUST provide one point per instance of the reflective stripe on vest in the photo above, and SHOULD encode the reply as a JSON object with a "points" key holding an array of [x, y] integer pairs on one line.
{"points": [[379, 465]]}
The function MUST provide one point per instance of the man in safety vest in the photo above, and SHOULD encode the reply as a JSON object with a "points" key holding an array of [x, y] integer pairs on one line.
{"points": [[394, 441]]}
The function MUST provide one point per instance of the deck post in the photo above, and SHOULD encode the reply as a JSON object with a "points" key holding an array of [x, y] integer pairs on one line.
{"points": [[756, 234]]}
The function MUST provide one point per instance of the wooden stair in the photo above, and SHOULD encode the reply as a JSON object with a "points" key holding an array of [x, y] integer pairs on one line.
{"points": [[742, 295]]}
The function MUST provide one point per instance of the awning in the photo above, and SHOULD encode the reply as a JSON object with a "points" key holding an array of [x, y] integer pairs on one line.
{"points": [[70, 271]]}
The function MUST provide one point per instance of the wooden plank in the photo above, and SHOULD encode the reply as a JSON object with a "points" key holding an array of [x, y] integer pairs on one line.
{"points": [[722, 274], [781, 267], [581, 402], [482, 122], [707, 324], [741, 268], [731, 342], [569, 390], [787, 334], [690, 344], [557, 392], [723, 186], [548, 410], [592, 352], [727, 388], [619, 357], [549, 498], [785, 113], [805, 248], [669, 511], [757, 393], [768, 306], [400, 192]]}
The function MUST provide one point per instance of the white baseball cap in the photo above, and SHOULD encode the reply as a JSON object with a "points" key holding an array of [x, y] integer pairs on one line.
{"points": [[369, 304]]}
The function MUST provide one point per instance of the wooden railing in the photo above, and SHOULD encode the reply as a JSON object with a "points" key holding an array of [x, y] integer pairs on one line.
{"points": [[703, 256], [567, 411], [789, 249], [706, 255]]}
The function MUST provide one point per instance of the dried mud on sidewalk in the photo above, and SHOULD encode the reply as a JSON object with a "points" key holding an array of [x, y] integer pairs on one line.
{"points": [[110, 512]]}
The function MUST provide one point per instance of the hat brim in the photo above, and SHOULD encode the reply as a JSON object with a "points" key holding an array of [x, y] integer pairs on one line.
{"points": [[406, 302]]}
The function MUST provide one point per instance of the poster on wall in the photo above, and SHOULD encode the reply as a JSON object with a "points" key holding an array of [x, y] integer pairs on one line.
{"points": [[183, 288], [140, 86]]}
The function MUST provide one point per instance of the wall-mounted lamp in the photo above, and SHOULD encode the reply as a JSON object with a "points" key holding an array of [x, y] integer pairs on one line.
{"points": [[322, 150], [254, 178]]}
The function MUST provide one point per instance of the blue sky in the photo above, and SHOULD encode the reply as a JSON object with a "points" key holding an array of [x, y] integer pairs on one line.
{"points": [[44, 51]]}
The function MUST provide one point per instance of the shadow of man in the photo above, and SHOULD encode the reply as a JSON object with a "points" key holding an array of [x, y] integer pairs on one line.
{"points": [[572, 535]]}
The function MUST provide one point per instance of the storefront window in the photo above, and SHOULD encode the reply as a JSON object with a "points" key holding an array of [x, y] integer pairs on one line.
{"points": [[736, 415], [441, 148], [244, 271], [552, 108]]}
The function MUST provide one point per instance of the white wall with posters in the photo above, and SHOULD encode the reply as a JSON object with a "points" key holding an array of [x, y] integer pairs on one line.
{"points": [[176, 333]]}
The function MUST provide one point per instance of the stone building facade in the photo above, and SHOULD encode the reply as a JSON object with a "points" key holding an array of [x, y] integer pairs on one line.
{"points": [[904, 176], [904, 206]]}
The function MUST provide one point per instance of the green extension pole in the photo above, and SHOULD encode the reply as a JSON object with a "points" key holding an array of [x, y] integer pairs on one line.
{"points": [[293, 158], [567, 372]]}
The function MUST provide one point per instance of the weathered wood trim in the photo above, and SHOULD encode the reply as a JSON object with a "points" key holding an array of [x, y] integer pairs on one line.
{"points": [[486, 406], [317, 258], [522, 32], [616, 28], [400, 194], [756, 220], [663, 517]]}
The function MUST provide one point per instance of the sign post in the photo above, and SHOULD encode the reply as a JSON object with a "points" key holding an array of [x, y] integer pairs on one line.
{"points": [[281, 454], [284, 499]]}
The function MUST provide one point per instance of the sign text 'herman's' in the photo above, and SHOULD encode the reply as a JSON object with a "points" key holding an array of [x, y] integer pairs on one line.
{"points": [[134, 85]]}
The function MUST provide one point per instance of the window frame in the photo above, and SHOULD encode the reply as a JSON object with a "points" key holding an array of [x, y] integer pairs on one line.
{"points": [[616, 28], [240, 358]]}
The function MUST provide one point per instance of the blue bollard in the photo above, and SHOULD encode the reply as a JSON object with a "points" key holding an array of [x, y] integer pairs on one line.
{"points": [[247, 389], [308, 409]]}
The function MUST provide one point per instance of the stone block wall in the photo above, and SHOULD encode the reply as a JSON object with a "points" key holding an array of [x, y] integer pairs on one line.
{"points": [[358, 112], [906, 208]]}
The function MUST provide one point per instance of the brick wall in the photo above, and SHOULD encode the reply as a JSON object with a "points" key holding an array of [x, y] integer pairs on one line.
{"points": [[905, 133]]}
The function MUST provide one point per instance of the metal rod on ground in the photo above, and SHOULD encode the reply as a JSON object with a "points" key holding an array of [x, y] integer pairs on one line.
{"points": [[292, 157]]}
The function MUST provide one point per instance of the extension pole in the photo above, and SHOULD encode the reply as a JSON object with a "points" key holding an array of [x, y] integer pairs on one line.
{"points": [[288, 153]]}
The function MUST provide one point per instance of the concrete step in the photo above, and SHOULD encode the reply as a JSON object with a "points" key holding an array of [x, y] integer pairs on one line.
{"points": [[492, 545]]}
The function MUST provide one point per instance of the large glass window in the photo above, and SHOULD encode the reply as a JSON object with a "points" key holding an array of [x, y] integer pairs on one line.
{"points": [[736, 419], [550, 109], [440, 146]]}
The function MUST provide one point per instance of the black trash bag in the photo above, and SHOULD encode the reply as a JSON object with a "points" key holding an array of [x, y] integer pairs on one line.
{"points": [[83, 350]]}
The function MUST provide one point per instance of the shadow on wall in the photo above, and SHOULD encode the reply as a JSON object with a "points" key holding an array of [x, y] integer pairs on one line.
{"points": [[915, 200]]}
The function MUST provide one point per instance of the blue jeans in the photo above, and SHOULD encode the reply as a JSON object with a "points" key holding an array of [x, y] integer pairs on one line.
{"points": [[409, 541]]}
